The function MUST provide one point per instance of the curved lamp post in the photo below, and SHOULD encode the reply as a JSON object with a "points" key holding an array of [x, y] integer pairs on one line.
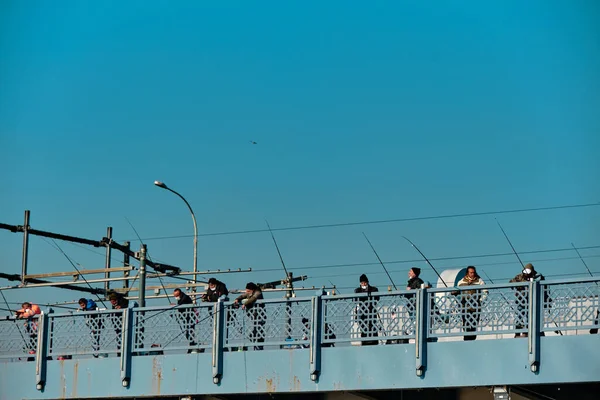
{"points": [[163, 186]]}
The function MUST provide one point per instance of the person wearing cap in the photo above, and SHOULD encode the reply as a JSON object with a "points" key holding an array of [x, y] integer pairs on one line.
{"points": [[414, 282], [255, 310], [522, 292], [471, 300], [366, 311], [215, 290]]}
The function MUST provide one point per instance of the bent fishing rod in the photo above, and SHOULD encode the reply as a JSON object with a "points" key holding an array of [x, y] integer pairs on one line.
{"points": [[519, 258], [380, 262], [426, 260]]}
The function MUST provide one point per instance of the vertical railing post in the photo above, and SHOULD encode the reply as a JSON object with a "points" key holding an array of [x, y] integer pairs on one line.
{"points": [[219, 331], [41, 358], [421, 326], [126, 344], [535, 317], [315, 335]]}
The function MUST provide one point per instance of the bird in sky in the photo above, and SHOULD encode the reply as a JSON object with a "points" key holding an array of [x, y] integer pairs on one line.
{"points": [[253, 142]]}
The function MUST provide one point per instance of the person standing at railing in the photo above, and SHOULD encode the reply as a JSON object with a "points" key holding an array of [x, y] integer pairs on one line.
{"points": [[255, 311], [528, 274], [93, 321], [414, 283], [186, 316], [366, 311], [471, 301]]}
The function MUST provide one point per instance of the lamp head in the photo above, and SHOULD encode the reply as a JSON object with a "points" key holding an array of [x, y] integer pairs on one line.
{"points": [[160, 184]]}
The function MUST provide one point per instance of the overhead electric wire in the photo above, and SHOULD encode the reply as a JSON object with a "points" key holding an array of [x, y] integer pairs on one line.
{"points": [[382, 221], [478, 265], [485, 255]]}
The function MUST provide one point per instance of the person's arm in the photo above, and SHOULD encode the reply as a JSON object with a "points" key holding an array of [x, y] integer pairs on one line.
{"points": [[252, 298]]}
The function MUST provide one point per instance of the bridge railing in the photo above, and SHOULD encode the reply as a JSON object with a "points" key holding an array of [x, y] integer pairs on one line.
{"points": [[570, 305], [364, 318], [492, 311], [483, 310]]}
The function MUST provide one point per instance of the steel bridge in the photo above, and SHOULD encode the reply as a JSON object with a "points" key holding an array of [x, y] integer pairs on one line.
{"points": [[323, 345]]}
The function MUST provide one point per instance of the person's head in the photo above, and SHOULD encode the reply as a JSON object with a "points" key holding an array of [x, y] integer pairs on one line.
{"points": [[113, 298], [251, 287], [177, 293], [82, 303], [212, 283], [364, 281], [26, 305], [528, 270], [414, 272], [471, 272]]}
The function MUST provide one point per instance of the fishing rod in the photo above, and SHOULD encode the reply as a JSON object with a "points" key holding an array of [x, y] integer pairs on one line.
{"points": [[76, 269], [147, 255], [287, 276], [519, 258], [510, 243], [582, 260], [380, 262], [426, 260], [15, 321], [593, 330]]}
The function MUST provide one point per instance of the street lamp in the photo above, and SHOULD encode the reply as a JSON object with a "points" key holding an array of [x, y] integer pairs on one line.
{"points": [[163, 186]]}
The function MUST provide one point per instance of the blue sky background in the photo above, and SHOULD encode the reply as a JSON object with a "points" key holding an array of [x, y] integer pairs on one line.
{"points": [[362, 111]]}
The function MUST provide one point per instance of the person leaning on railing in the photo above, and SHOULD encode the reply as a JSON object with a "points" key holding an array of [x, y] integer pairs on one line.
{"points": [[528, 274], [255, 311], [471, 300], [29, 311], [93, 321], [186, 316]]}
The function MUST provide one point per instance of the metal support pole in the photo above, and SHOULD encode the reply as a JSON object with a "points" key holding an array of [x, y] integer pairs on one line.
{"points": [[127, 245], [142, 273], [219, 331], [41, 360], [536, 313], [421, 327], [25, 246], [315, 336], [108, 253]]}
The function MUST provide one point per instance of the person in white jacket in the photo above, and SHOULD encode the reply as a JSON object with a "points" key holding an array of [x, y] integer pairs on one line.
{"points": [[471, 301]]}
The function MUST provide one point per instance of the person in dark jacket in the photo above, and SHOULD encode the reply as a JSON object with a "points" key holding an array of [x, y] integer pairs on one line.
{"points": [[215, 290], [118, 302], [414, 282], [186, 315], [255, 311], [528, 274], [93, 321], [366, 311]]}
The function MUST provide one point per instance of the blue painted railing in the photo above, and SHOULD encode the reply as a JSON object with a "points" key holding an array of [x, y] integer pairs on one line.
{"points": [[533, 309]]}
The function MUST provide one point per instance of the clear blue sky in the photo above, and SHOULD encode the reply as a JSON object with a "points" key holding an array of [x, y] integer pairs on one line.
{"points": [[362, 111]]}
